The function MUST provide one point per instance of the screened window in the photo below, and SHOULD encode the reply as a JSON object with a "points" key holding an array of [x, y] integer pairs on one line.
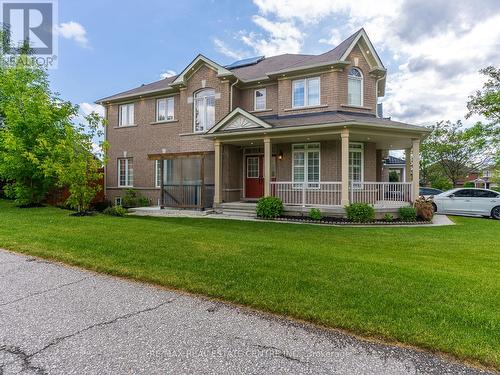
{"points": [[305, 92], [356, 162], [126, 115], [165, 109], [125, 172], [204, 110], [306, 164], [260, 99], [355, 87], [167, 172]]}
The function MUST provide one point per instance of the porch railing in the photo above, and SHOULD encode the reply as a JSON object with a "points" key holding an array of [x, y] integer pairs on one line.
{"points": [[376, 192], [188, 196], [329, 193], [315, 194]]}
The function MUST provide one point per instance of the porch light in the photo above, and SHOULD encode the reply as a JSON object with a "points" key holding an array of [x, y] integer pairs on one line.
{"points": [[280, 155]]}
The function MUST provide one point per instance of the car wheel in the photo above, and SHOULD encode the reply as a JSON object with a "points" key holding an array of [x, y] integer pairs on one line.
{"points": [[495, 213], [434, 207]]}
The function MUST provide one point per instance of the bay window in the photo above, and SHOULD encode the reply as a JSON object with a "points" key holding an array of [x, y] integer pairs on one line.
{"points": [[204, 110], [306, 92], [306, 164]]}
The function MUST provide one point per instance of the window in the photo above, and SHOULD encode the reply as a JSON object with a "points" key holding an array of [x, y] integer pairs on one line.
{"points": [[165, 109], [485, 194], [118, 201], [204, 110], [355, 87], [464, 193], [306, 164], [253, 167], [125, 172], [167, 172], [260, 100], [356, 162], [126, 115], [305, 92]]}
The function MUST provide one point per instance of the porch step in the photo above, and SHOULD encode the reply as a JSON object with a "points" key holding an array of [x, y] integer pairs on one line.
{"points": [[241, 209]]}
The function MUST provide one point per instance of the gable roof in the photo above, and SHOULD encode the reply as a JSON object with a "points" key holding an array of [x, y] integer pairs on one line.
{"points": [[251, 121], [264, 68]]}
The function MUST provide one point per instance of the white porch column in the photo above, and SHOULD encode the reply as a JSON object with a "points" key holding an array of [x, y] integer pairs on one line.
{"points": [[416, 168], [218, 173], [344, 198], [267, 166], [408, 165]]}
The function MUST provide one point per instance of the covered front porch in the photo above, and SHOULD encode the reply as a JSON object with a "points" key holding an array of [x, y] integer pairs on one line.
{"points": [[327, 166]]}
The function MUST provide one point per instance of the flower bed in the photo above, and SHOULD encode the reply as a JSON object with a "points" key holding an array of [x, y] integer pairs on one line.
{"points": [[343, 221]]}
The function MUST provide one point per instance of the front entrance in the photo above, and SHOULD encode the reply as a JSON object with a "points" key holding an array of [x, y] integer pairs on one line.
{"points": [[254, 181]]}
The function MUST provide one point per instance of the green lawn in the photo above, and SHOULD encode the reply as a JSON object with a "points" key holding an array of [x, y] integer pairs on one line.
{"points": [[434, 287]]}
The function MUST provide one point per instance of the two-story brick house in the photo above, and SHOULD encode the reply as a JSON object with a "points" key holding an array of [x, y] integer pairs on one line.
{"points": [[300, 127]]}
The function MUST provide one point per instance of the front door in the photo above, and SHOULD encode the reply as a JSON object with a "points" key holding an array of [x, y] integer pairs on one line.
{"points": [[254, 181]]}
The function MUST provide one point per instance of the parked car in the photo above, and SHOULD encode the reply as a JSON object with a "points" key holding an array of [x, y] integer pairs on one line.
{"points": [[468, 201], [429, 192]]}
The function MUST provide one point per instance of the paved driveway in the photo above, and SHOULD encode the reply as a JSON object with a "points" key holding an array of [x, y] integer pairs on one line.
{"points": [[60, 320]]}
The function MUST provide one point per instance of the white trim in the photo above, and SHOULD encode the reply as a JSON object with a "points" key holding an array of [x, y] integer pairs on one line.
{"points": [[305, 150], [248, 157], [130, 122], [167, 101], [363, 35], [205, 117], [221, 71], [362, 152], [306, 92], [127, 172], [157, 172], [118, 199], [263, 89], [362, 80], [233, 114]]}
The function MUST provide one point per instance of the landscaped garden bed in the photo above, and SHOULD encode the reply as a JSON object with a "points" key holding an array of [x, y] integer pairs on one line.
{"points": [[344, 221]]}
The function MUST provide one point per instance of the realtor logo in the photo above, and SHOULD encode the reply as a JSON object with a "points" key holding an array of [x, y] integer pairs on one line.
{"points": [[33, 23]]}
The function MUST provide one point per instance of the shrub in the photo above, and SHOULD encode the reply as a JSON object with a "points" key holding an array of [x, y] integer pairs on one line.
{"points": [[407, 213], [269, 207], [115, 211], [442, 184], [469, 184], [424, 209], [130, 198], [360, 212], [315, 214], [388, 217], [144, 202]]}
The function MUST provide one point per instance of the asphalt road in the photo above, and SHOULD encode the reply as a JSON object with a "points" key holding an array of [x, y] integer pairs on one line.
{"points": [[60, 320]]}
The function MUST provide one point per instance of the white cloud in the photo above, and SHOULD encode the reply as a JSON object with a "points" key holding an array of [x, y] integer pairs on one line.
{"points": [[88, 108], [222, 47], [167, 73], [334, 39], [73, 31]]}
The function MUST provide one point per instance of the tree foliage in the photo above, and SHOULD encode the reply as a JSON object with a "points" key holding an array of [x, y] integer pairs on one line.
{"points": [[452, 150], [486, 102], [39, 146]]}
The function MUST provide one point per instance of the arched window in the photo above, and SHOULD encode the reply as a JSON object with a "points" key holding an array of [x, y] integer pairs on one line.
{"points": [[204, 110], [355, 87]]}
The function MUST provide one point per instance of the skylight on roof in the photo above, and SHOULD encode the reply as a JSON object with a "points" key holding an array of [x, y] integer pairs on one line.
{"points": [[245, 62]]}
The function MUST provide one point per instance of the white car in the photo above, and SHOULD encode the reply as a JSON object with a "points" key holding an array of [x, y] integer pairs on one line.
{"points": [[468, 201]]}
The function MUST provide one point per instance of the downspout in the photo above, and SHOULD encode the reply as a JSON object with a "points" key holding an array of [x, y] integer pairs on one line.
{"points": [[231, 95], [376, 91]]}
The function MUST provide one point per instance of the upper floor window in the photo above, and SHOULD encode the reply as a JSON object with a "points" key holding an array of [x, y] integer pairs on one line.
{"points": [[305, 92], [204, 110], [355, 87], [165, 109], [260, 99], [126, 115]]}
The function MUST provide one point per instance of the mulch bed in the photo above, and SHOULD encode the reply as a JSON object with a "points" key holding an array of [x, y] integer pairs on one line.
{"points": [[343, 221]]}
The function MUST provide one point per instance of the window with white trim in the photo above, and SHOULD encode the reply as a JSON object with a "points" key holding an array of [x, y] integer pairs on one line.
{"points": [[204, 110], [126, 115], [125, 172], [356, 164], [253, 170], [355, 87], [118, 201], [167, 172], [305, 92], [165, 109], [306, 164], [260, 99]]}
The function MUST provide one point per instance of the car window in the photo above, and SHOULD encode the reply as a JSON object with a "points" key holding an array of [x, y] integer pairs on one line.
{"points": [[464, 193], [434, 191], [484, 194], [424, 191]]}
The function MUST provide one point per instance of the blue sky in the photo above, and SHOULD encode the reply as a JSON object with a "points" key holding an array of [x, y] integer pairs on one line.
{"points": [[432, 50]]}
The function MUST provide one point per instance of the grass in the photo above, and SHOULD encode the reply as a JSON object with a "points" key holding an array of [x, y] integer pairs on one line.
{"points": [[433, 287]]}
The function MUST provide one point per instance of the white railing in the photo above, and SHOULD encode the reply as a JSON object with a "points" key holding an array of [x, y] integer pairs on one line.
{"points": [[304, 194], [329, 193], [377, 192]]}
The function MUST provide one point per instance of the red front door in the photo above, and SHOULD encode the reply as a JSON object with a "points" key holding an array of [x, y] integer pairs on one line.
{"points": [[254, 182]]}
